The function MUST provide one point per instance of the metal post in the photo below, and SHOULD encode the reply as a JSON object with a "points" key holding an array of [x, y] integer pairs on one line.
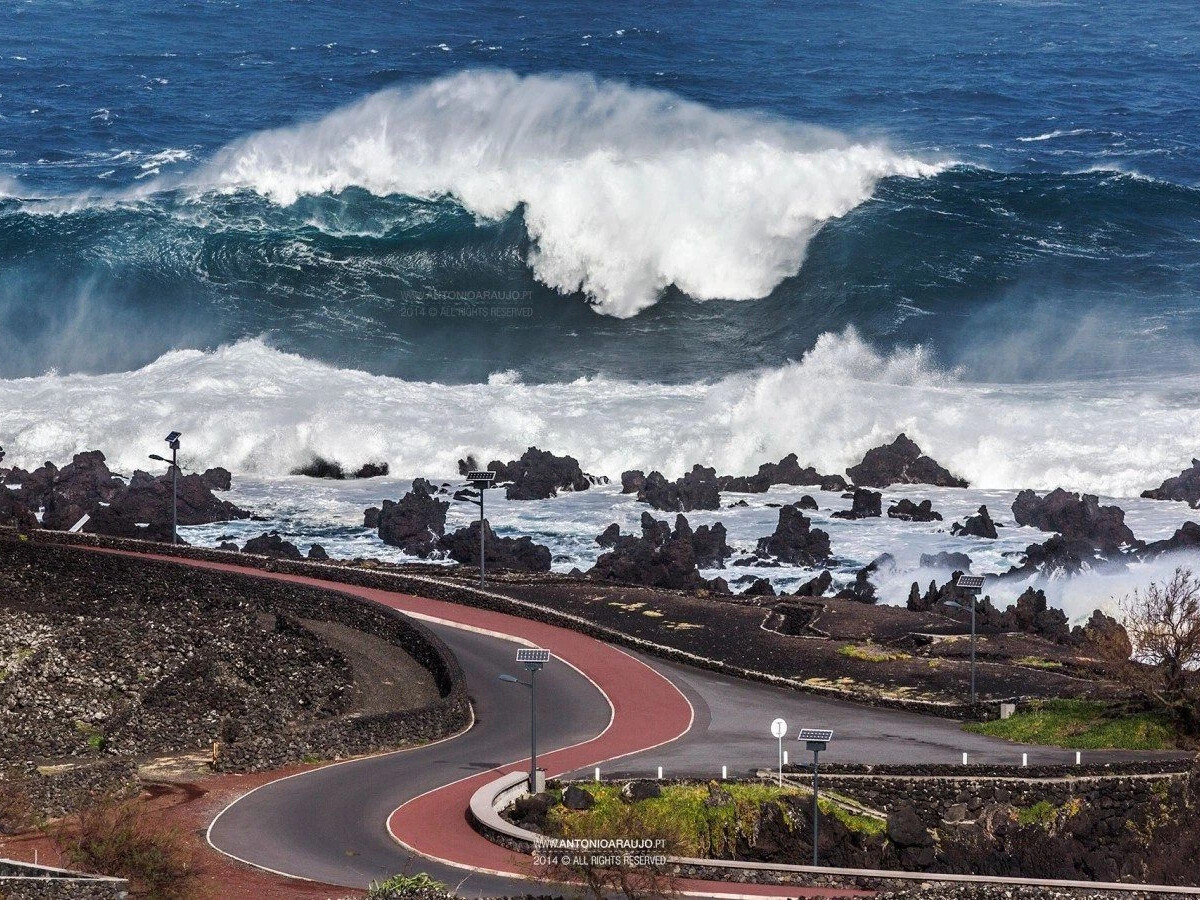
{"points": [[974, 597], [174, 494], [781, 761], [816, 808], [532, 727], [482, 557]]}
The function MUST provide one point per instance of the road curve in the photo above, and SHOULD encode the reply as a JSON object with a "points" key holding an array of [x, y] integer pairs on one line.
{"points": [[327, 825]]}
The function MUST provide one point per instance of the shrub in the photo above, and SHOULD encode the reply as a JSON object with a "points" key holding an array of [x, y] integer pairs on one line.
{"points": [[408, 887], [119, 839]]}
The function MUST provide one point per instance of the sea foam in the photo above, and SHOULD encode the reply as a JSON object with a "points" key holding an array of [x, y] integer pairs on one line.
{"points": [[254, 409], [625, 191]]}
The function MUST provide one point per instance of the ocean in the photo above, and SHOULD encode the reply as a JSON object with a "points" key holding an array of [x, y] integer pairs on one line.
{"points": [[647, 236]]}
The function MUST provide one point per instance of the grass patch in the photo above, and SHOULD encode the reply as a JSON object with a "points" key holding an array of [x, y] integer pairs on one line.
{"points": [[1083, 725], [871, 653], [1037, 662], [1041, 813], [701, 827]]}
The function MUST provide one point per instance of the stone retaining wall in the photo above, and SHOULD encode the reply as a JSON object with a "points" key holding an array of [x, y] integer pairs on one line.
{"points": [[437, 589]]}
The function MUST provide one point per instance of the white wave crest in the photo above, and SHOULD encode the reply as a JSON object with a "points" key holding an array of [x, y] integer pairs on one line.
{"points": [[625, 190], [258, 410]]}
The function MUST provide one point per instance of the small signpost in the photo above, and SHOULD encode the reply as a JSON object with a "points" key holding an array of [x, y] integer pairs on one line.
{"points": [[816, 740], [482, 480], [778, 730], [972, 584]]}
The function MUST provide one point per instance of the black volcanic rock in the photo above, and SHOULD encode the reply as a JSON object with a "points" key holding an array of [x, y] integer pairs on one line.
{"points": [[271, 544], [657, 558], [900, 462], [1184, 487], [759, 587], [944, 560], [320, 467], [217, 479], [979, 525], [1104, 636], [807, 502], [515, 554], [815, 587], [317, 552], [862, 590], [148, 499], [1034, 615], [866, 505], [708, 542], [539, 475], [787, 471], [795, 541], [632, 481], [415, 524], [1186, 537], [371, 517], [1075, 518], [698, 489], [914, 512], [1061, 556], [13, 512]]}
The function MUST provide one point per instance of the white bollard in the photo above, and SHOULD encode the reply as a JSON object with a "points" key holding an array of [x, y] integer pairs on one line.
{"points": [[1078, 757], [785, 757], [964, 757], [597, 773], [724, 772], [660, 773], [1024, 759]]}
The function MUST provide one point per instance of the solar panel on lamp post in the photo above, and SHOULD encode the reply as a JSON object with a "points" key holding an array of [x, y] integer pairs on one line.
{"points": [[816, 740], [482, 480], [533, 658], [972, 584]]}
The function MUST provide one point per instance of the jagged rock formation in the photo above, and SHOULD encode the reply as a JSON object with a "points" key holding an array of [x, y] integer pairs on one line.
{"points": [[786, 471], [141, 509], [698, 489], [1103, 636], [900, 462], [415, 524], [320, 467], [271, 544], [795, 541], [908, 511], [945, 560], [659, 557], [862, 590], [1186, 537], [815, 587], [1184, 487], [515, 554], [538, 475], [979, 525], [1075, 518], [865, 505]]}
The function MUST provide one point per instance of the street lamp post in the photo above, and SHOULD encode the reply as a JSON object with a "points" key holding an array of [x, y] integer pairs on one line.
{"points": [[482, 480], [972, 584], [172, 440], [815, 740], [533, 658]]}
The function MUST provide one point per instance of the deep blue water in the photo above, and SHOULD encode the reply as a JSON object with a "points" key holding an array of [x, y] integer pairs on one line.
{"points": [[1060, 237]]}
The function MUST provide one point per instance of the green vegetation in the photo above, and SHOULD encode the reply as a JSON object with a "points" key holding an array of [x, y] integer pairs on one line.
{"points": [[701, 822], [1083, 725], [871, 653], [1037, 662], [401, 886], [1041, 813]]}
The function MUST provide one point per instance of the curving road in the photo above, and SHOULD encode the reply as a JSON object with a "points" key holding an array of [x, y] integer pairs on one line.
{"points": [[351, 823]]}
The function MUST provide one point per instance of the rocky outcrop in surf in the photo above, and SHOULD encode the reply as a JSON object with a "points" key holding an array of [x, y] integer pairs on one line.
{"points": [[907, 511], [536, 475], [319, 467], [979, 525], [787, 471], [518, 554], [660, 556], [901, 462], [698, 489], [415, 523], [795, 541], [272, 544], [1184, 487], [1076, 518], [864, 505]]}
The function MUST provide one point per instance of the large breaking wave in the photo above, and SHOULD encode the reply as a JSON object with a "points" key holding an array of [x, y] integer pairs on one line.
{"points": [[625, 190]]}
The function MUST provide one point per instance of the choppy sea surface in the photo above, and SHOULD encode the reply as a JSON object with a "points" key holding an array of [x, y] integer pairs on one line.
{"points": [[645, 236]]}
